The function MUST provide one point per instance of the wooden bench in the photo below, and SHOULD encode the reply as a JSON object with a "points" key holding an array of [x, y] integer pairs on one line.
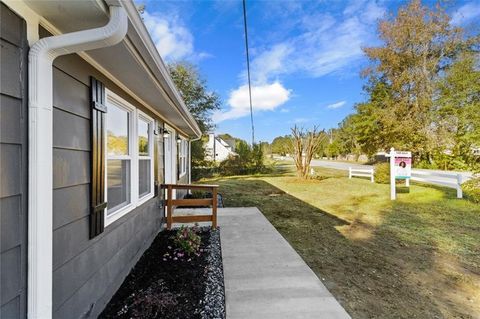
{"points": [[191, 202]]}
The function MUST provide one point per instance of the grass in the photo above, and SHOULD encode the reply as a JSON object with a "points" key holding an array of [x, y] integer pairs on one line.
{"points": [[416, 257]]}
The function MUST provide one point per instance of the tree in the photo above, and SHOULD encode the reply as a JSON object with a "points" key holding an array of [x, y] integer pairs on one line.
{"points": [[305, 144], [281, 145], [249, 159], [417, 44], [265, 147], [373, 124], [199, 100], [458, 112], [348, 137], [193, 89], [423, 91]]}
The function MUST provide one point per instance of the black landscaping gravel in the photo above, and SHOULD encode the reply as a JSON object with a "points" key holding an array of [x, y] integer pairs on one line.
{"points": [[160, 287], [214, 298]]}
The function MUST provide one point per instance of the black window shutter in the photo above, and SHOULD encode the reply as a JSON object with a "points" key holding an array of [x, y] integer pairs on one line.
{"points": [[98, 203]]}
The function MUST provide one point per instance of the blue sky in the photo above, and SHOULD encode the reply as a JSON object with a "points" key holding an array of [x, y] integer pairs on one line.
{"points": [[305, 55]]}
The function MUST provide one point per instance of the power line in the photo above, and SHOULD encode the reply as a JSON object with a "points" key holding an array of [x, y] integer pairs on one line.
{"points": [[248, 69]]}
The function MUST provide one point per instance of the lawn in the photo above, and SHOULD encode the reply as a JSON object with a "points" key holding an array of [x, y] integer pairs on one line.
{"points": [[416, 257]]}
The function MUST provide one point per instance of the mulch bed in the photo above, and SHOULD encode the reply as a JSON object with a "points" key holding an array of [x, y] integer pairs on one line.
{"points": [[163, 286]]}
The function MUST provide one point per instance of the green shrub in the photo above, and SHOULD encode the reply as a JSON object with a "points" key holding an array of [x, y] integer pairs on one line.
{"points": [[233, 165], [249, 160], [204, 172], [382, 173], [187, 240], [471, 189]]}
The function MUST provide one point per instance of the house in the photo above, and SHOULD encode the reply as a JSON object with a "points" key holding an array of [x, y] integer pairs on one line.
{"points": [[91, 125], [217, 149]]}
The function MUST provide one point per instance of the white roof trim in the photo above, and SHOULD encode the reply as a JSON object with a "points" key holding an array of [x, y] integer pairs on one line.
{"points": [[142, 31]]}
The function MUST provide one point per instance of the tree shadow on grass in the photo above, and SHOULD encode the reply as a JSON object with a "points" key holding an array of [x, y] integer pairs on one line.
{"points": [[378, 275]]}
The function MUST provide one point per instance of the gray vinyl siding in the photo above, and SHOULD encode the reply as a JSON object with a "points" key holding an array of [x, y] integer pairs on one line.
{"points": [[88, 272], [13, 164]]}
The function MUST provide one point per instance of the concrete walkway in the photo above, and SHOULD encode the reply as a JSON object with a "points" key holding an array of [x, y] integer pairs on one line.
{"points": [[264, 276]]}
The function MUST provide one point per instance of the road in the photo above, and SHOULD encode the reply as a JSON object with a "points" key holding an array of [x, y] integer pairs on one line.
{"points": [[437, 180]]}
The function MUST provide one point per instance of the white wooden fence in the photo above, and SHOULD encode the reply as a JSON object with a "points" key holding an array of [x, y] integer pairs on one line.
{"points": [[361, 172], [452, 180]]}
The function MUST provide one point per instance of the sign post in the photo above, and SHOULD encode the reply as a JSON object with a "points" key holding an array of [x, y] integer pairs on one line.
{"points": [[393, 194], [400, 168]]}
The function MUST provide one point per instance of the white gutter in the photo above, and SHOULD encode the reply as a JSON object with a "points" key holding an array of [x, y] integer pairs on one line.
{"points": [[40, 184]]}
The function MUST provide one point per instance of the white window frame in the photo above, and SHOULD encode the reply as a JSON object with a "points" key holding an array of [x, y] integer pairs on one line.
{"points": [[182, 156], [134, 157], [151, 123]]}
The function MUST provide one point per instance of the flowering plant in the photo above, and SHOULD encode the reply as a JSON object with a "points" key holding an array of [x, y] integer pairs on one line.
{"points": [[187, 240]]}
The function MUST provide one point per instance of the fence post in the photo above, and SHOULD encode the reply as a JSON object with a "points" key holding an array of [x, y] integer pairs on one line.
{"points": [[169, 207], [371, 176], [350, 172], [459, 186], [214, 207]]}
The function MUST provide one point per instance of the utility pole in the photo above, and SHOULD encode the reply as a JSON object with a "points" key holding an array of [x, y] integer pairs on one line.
{"points": [[248, 69]]}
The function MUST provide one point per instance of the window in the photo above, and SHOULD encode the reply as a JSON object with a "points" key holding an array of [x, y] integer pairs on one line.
{"points": [[129, 171], [182, 156], [119, 159], [145, 151]]}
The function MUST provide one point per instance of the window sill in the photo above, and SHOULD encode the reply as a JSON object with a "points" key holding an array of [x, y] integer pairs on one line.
{"points": [[127, 209], [118, 214], [144, 199]]}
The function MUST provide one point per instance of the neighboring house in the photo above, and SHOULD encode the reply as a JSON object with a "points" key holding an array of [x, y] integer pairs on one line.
{"points": [[216, 149], [91, 125]]}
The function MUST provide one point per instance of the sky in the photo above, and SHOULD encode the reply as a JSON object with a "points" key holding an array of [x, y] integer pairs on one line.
{"points": [[305, 56]]}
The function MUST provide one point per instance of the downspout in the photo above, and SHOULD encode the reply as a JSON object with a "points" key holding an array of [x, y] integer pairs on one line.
{"points": [[40, 180]]}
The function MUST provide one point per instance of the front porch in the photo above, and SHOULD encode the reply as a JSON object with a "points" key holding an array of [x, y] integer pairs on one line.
{"points": [[264, 275]]}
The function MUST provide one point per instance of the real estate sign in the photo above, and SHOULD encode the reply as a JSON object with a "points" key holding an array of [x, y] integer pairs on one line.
{"points": [[400, 168], [403, 165]]}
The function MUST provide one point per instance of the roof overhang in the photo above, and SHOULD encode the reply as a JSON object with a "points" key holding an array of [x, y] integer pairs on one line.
{"points": [[134, 64]]}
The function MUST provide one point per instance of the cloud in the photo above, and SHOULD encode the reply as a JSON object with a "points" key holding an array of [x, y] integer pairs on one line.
{"points": [[270, 63], [301, 120], [372, 12], [320, 44], [325, 45], [336, 105], [266, 97], [466, 13], [172, 40]]}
